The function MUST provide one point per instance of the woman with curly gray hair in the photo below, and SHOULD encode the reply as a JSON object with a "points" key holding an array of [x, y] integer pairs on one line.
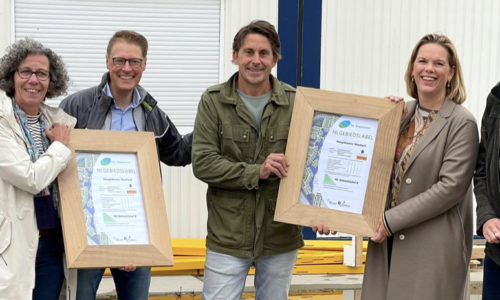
{"points": [[33, 151]]}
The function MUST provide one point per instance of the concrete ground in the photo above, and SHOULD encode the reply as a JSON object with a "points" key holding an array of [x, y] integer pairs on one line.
{"points": [[192, 285]]}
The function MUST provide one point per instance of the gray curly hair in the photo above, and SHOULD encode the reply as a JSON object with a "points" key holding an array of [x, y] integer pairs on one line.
{"points": [[21, 49]]}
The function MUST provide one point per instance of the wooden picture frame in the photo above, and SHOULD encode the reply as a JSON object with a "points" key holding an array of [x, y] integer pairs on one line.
{"points": [[79, 254], [387, 115]]}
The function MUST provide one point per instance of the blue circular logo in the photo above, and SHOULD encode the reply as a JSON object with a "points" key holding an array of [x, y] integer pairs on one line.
{"points": [[105, 161], [345, 124]]}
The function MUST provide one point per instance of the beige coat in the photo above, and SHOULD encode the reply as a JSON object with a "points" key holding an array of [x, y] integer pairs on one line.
{"points": [[432, 224], [20, 179]]}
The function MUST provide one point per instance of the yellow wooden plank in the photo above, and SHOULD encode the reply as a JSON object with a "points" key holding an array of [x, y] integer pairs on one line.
{"points": [[317, 257], [318, 252], [330, 257], [306, 267], [197, 246], [320, 263], [330, 245], [320, 260], [189, 246], [185, 263]]}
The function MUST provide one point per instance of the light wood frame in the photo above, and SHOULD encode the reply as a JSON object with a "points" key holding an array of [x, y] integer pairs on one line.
{"points": [[308, 101], [81, 255]]}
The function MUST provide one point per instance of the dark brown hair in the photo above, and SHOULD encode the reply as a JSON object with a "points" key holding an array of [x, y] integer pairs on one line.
{"points": [[259, 27]]}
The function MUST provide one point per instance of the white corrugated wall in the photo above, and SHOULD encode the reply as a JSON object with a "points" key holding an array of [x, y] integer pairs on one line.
{"points": [[367, 44]]}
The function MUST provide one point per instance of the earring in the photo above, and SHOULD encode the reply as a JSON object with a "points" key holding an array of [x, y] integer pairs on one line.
{"points": [[412, 78], [448, 84]]}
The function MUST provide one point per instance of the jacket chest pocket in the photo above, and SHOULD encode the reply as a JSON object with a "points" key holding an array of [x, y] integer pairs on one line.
{"points": [[236, 141], [276, 138]]}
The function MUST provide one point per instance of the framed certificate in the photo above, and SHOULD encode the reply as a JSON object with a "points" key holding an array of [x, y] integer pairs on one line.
{"points": [[341, 150], [112, 207]]}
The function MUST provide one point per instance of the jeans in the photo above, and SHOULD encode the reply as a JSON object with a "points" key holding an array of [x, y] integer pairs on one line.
{"points": [[491, 278], [225, 276], [129, 285], [49, 268]]}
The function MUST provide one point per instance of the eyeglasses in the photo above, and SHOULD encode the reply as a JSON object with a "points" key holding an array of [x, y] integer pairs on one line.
{"points": [[40, 74], [133, 62]]}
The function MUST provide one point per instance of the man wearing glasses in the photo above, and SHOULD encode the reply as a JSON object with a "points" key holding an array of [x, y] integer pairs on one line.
{"points": [[120, 103]]}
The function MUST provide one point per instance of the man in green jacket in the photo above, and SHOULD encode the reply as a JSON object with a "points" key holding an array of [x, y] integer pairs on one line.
{"points": [[240, 135]]}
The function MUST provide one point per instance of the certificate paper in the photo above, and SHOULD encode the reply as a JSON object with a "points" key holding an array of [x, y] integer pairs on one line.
{"points": [[338, 162], [112, 198]]}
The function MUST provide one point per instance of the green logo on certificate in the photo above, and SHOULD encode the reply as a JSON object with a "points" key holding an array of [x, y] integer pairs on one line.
{"points": [[328, 180]]}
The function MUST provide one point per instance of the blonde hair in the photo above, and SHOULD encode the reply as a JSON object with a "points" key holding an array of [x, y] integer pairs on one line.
{"points": [[456, 90]]}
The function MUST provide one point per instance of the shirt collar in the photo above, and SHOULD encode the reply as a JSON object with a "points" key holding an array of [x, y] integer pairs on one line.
{"points": [[136, 98]]}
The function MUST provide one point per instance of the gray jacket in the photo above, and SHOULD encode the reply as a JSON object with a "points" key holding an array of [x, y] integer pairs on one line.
{"points": [[92, 105]]}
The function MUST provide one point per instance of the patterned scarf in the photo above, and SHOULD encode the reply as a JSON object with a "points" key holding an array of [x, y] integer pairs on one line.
{"points": [[22, 120], [407, 142]]}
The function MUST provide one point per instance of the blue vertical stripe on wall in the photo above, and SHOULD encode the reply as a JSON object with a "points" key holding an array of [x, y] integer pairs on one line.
{"points": [[288, 24], [299, 28], [311, 44]]}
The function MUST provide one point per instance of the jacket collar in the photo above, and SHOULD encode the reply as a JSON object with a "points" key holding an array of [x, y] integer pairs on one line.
{"points": [[439, 122], [230, 95], [445, 111]]}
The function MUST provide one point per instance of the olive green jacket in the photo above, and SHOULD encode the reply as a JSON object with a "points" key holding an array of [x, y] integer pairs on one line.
{"points": [[228, 150]]}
